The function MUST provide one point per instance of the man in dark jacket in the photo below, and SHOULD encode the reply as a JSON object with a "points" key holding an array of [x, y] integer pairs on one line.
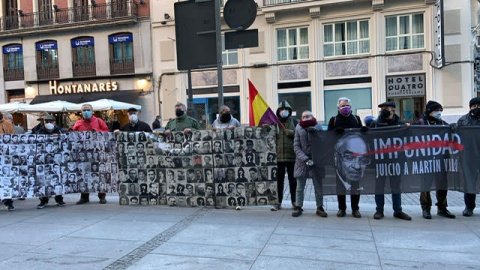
{"points": [[49, 128], [345, 119], [472, 118], [134, 123], [433, 116], [156, 124], [386, 118], [285, 133]]}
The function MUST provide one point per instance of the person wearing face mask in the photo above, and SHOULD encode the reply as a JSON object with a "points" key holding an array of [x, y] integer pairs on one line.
{"points": [[343, 120], [386, 118], [6, 127], [49, 128], [182, 122], [225, 119], [285, 134], [90, 123], [472, 118], [433, 116], [134, 124]]}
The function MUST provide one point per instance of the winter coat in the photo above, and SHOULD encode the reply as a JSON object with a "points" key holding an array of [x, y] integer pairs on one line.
{"points": [[301, 145], [428, 120], [139, 126], [181, 123], [340, 121], [468, 120], [93, 123], [43, 130], [6, 127], [380, 122], [284, 137], [232, 123]]}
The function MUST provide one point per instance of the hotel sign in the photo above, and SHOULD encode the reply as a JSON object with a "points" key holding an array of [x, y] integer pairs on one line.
{"points": [[61, 89], [406, 85]]}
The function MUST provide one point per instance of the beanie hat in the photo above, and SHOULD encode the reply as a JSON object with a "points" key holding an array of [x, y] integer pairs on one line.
{"points": [[475, 100], [432, 106]]}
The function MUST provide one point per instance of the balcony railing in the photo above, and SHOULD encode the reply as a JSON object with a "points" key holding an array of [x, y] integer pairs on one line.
{"points": [[15, 74], [122, 66], [279, 2], [84, 69], [48, 72], [111, 11]]}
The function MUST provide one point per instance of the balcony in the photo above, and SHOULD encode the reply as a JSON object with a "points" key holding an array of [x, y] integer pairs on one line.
{"points": [[84, 69], [48, 72], [15, 74], [90, 16], [123, 66]]}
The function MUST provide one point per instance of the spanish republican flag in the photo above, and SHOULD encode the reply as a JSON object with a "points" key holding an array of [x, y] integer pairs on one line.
{"points": [[260, 112]]}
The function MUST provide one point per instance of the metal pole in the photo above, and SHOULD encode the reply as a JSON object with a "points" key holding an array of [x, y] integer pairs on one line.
{"points": [[218, 33], [191, 107]]}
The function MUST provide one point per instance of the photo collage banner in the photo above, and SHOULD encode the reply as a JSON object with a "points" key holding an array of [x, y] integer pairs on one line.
{"points": [[48, 165], [221, 168]]}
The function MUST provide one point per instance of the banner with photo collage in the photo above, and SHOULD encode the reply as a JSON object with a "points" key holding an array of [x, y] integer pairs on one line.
{"points": [[48, 165], [222, 168]]}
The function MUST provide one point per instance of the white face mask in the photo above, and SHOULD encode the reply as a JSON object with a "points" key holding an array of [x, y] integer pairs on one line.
{"points": [[133, 118], [284, 113], [437, 115], [49, 126]]}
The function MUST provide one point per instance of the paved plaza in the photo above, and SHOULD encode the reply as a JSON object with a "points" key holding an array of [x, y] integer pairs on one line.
{"points": [[111, 236]]}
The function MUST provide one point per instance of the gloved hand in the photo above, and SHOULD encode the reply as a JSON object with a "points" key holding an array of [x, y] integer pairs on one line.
{"points": [[309, 163], [364, 129], [339, 130], [311, 130]]}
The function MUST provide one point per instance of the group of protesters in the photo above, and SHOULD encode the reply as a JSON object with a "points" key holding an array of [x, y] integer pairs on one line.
{"points": [[294, 154]]}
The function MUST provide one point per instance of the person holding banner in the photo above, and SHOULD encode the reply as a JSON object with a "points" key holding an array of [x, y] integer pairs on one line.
{"points": [[89, 122], [304, 167], [343, 120], [225, 119], [6, 127], [433, 116], [472, 118], [50, 128], [134, 123], [386, 118], [182, 122]]}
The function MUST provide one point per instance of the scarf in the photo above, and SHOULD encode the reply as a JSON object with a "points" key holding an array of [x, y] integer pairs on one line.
{"points": [[308, 123]]}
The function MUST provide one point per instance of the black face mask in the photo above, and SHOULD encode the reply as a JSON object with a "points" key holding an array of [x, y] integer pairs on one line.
{"points": [[179, 113], [475, 112], [384, 114], [226, 117]]}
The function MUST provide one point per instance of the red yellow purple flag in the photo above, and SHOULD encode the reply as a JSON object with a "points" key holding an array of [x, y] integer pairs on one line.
{"points": [[260, 112]]}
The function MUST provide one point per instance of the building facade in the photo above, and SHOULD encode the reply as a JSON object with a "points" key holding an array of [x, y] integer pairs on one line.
{"points": [[313, 52], [77, 51]]}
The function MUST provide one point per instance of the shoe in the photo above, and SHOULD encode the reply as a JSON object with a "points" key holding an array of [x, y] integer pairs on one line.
{"points": [[61, 203], [426, 214], [297, 211], [102, 196], [341, 213], [10, 207], [42, 205], [21, 199], [238, 208], [445, 213], [402, 215], [356, 214], [321, 212], [467, 212], [275, 207], [84, 198], [378, 215]]}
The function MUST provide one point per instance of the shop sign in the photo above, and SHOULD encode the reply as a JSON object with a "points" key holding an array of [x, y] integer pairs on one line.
{"points": [[405, 85], [83, 42], [61, 89], [121, 38], [12, 49], [51, 45]]}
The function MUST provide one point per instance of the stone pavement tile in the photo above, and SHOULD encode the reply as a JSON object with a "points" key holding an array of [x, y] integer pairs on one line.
{"points": [[402, 265], [424, 238], [147, 217], [348, 256], [11, 250], [123, 230], [310, 220], [160, 210], [58, 262], [88, 247], [322, 242], [67, 216], [244, 217], [208, 251], [224, 235], [430, 256], [34, 234], [325, 233], [277, 263], [155, 261]]}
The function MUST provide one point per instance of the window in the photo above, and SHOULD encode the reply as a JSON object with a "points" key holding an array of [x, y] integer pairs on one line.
{"points": [[121, 53], [83, 56], [47, 60], [300, 102], [229, 57], [404, 32], [292, 44], [361, 99], [346, 38], [13, 62]]}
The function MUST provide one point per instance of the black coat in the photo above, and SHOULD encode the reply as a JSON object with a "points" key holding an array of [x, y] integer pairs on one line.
{"points": [[340, 121], [139, 126], [380, 122], [428, 120]]}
